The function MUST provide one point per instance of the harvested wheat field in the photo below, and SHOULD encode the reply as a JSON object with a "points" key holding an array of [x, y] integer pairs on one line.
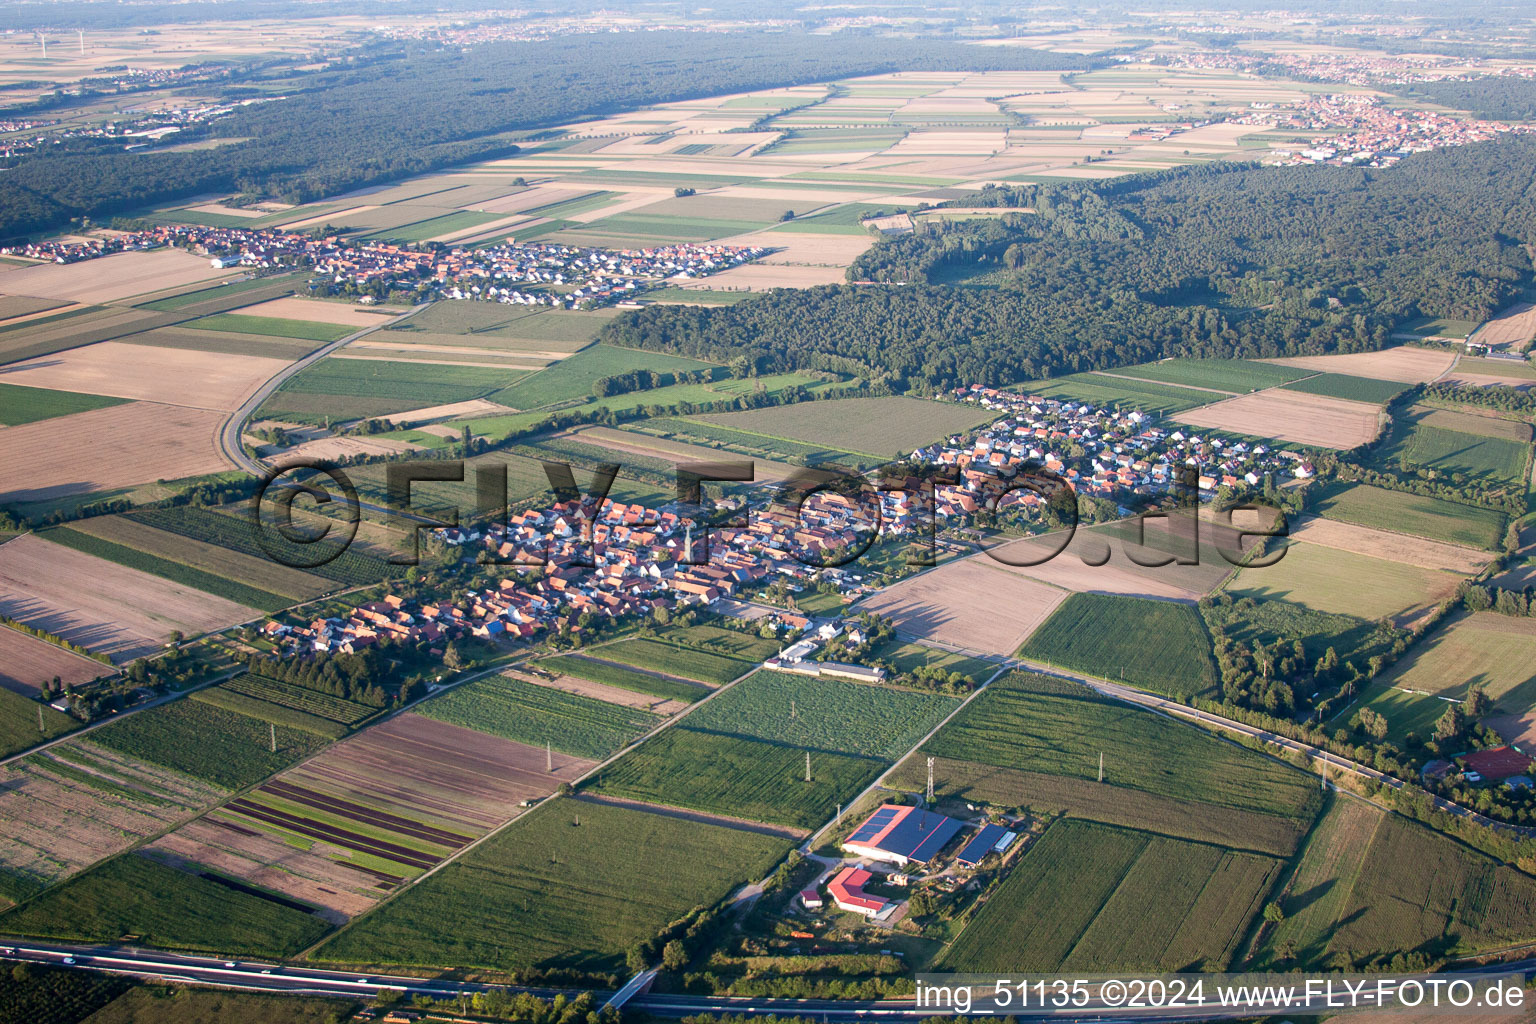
{"points": [[375, 810], [970, 604], [1406, 365], [119, 446], [26, 663], [69, 806], [1395, 547], [341, 448], [113, 277], [603, 692], [108, 608], [1512, 329], [1293, 416], [629, 442], [149, 373], [763, 276], [453, 411], [1489, 380], [321, 312]]}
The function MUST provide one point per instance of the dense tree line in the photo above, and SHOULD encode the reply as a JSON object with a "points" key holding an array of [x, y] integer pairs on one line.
{"points": [[409, 111], [1501, 99], [1217, 260]]}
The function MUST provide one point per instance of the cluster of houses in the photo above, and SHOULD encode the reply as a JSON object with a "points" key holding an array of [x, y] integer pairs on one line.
{"points": [[1124, 453], [526, 274], [1338, 65]]}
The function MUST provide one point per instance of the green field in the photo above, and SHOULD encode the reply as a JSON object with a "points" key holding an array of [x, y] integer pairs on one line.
{"points": [[1418, 444], [1440, 327], [380, 386], [18, 721], [1156, 645], [878, 427], [271, 712], [1235, 375], [1356, 389], [625, 679], [182, 1005], [20, 404], [726, 773], [536, 715], [299, 698], [905, 658], [1352, 639], [620, 875], [572, 378], [164, 907], [222, 747], [1094, 898], [823, 714], [1402, 512], [1118, 393], [1370, 884], [1038, 724], [712, 435], [242, 323], [1327, 580], [173, 303], [670, 659], [236, 533], [197, 579]]}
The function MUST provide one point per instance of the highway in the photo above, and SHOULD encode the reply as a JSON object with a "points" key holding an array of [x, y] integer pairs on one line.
{"points": [[274, 977]]}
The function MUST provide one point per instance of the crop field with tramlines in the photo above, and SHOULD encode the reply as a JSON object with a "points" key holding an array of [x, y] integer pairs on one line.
{"points": [[1090, 897], [492, 908], [311, 702], [736, 776], [683, 662], [624, 678], [1159, 645], [823, 714], [527, 713], [238, 534]]}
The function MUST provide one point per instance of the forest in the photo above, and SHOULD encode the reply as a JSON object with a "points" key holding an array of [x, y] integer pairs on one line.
{"points": [[1216, 260], [411, 111], [1500, 99]]}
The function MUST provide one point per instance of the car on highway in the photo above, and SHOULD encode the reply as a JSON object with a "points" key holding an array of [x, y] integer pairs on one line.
{"points": [[69, 959]]}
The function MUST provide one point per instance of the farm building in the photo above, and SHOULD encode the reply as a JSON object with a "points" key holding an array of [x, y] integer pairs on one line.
{"points": [[1498, 763], [988, 839], [847, 889], [810, 899], [902, 835]]}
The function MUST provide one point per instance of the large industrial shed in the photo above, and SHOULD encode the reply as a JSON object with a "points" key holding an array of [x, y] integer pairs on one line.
{"points": [[900, 835]]}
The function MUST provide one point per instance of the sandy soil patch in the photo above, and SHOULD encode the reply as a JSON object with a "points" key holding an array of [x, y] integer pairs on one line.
{"points": [[455, 410], [107, 448], [228, 211], [317, 311], [26, 663], [970, 604], [331, 217], [1395, 547], [113, 277], [340, 448], [1408, 365], [763, 276], [175, 376], [55, 823], [1513, 328], [603, 692], [1291, 416], [313, 876], [1518, 730], [103, 606]]}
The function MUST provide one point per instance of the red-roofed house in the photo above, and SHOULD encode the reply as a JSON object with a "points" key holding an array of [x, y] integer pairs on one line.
{"points": [[847, 889]]}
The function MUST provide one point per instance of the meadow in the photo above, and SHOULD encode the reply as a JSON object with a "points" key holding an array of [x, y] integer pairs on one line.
{"points": [[823, 714], [712, 435], [1090, 897], [1234, 375], [226, 748], [197, 579], [1400, 511], [1418, 444], [877, 427], [573, 378], [277, 327], [1157, 645], [1342, 385], [164, 907], [536, 715], [729, 774], [1329, 580], [20, 404], [1039, 724], [19, 718], [379, 386], [625, 679], [492, 907]]}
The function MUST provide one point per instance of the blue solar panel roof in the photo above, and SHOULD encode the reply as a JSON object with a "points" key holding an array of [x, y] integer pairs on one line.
{"points": [[872, 827], [981, 844], [921, 835]]}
